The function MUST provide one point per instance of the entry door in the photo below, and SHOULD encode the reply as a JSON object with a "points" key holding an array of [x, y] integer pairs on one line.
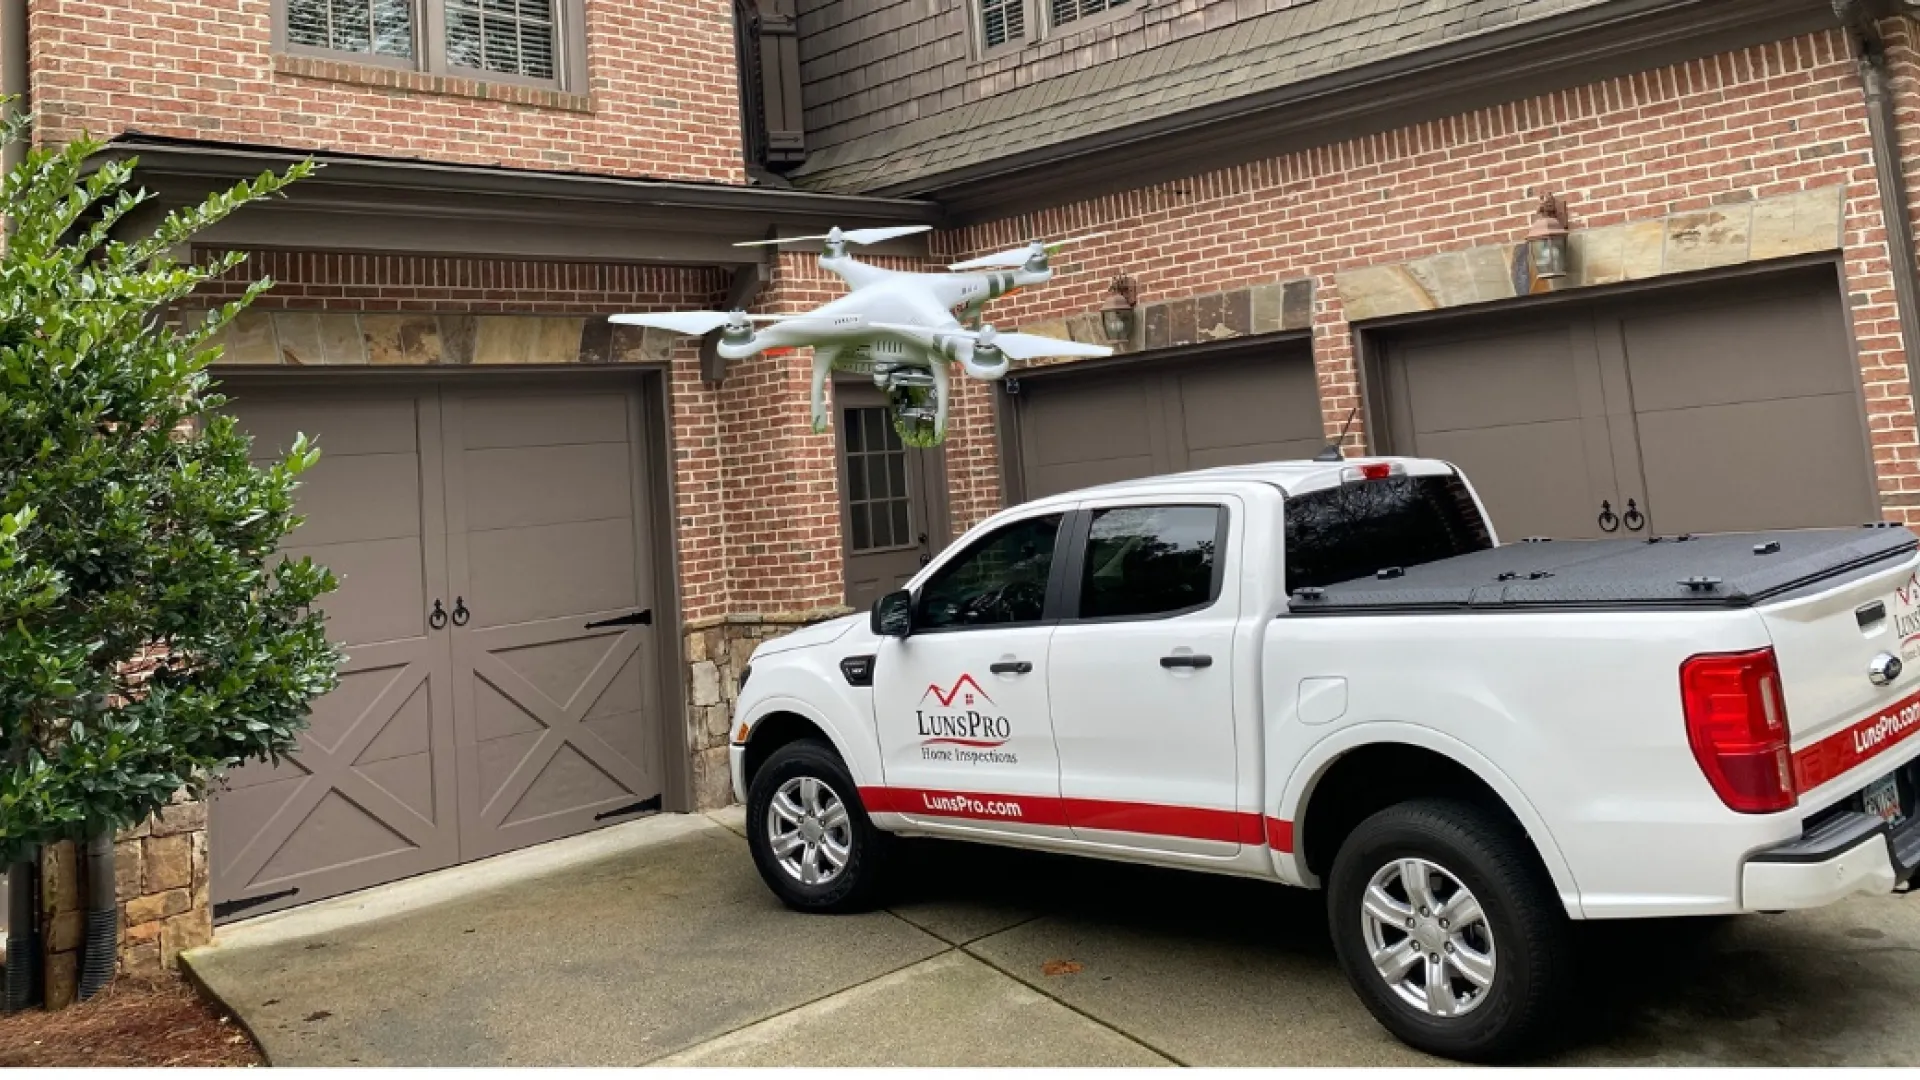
{"points": [[962, 705], [1141, 677], [893, 498]]}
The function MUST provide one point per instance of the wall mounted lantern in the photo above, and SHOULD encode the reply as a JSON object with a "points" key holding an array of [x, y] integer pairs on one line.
{"points": [[1547, 240], [1116, 312]]}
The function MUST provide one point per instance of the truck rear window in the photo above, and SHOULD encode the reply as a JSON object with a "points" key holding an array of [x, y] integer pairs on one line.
{"points": [[1355, 530]]}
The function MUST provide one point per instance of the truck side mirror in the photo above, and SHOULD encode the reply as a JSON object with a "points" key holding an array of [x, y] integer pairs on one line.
{"points": [[893, 615]]}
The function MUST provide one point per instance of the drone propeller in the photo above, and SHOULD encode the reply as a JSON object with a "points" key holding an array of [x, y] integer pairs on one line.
{"points": [[695, 323], [1014, 258], [851, 236], [1017, 346]]}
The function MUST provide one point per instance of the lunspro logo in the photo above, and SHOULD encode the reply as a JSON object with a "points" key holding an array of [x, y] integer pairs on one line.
{"points": [[963, 687], [976, 723]]}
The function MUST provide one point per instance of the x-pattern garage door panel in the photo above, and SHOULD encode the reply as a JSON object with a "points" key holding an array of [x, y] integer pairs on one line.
{"points": [[1245, 414], [1096, 432], [1708, 410], [521, 513], [551, 710], [1078, 428], [369, 796], [1523, 413], [1749, 404]]}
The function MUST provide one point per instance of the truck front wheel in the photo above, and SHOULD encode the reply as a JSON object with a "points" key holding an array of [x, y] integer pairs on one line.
{"points": [[810, 837], [1449, 930]]}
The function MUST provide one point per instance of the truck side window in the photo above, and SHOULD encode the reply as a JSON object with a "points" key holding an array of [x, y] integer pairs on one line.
{"points": [[1000, 581], [1354, 530], [1150, 560]]}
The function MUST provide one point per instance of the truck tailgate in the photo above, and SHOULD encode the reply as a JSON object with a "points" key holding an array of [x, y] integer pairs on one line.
{"points": [[1849, 723]]}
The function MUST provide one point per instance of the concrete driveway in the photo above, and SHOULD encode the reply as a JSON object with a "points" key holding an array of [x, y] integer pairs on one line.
{"points": [[655, 943]]}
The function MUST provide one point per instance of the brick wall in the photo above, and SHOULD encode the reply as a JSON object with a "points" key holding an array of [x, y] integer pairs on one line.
{"points": [[1762, 122], [661, 99]]}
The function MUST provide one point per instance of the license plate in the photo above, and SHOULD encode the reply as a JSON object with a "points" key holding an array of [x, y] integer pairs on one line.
{"points": [[1882, 797]]}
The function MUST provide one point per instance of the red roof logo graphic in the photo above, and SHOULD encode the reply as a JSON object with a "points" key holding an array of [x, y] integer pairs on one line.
{"points": [[964, 690]]}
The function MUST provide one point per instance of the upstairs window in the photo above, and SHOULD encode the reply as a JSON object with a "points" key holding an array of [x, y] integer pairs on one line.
{"points": [[538, 42], [1064, 12], [1002, 22]]}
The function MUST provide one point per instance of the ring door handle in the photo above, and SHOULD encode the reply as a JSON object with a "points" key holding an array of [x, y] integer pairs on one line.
{"points": [[1186, 660], [437, 618], [460, 612], [1012, 667], [1608, 520], [1633, 519]]}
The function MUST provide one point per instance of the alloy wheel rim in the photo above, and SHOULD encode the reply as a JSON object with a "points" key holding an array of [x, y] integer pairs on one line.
{"points": [[1428, 937], [809, 831]]}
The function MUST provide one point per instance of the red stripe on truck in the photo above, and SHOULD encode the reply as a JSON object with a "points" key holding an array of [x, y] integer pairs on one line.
{"points": [[1815, 765], [1151, 819]]}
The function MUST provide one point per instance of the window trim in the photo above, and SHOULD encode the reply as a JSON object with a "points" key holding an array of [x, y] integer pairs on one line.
{"points": [[977, 22], [430, 48], [1082, 531], [1050, 608]]}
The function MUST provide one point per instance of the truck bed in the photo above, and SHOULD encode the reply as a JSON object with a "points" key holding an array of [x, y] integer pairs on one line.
{"points": [[1724, 570]]}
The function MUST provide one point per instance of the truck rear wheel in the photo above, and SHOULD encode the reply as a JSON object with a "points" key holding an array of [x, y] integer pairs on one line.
{"points": [[810, 836], [1449, 930]]}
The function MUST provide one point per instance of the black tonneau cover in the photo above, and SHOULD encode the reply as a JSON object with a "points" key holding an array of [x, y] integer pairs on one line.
{"points": [[1723, 570]]}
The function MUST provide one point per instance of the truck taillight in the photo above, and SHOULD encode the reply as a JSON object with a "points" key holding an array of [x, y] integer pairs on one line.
{"points": [[1737, 726]]}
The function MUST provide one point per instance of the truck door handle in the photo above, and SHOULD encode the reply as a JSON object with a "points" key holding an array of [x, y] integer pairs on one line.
{"points": [[1186, 660], [1012, 667]]}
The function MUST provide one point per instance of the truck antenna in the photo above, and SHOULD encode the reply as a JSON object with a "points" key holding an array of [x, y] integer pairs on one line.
{"points": [[1332, 452]]}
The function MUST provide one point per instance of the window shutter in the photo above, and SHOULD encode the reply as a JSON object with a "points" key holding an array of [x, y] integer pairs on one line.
{"points": [[780, 82]]}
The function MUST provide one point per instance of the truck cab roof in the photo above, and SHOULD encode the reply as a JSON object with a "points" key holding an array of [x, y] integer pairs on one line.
{"points": [[1290, 477]]}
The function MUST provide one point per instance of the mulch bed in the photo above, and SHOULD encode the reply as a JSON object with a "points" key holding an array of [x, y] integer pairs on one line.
{"points": [[133, 1023]]}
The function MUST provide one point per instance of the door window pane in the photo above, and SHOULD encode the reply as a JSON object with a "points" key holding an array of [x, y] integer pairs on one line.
{"points": [[878, 518], [1149, 560], [1001, 580]]}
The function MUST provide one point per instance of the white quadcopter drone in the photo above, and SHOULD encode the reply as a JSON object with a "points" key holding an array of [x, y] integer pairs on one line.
{"points": [[897, 326]]}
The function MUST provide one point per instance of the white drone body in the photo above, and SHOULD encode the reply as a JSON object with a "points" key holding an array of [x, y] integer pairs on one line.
{"points": [[897, 326]]}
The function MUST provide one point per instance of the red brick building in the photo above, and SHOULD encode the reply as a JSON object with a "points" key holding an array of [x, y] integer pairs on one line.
{"points": [[1321, 207]]}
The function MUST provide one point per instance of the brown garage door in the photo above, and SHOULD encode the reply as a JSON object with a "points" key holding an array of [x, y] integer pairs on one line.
{"points": [[1710, 409], [1098, 425], [476, 532]]}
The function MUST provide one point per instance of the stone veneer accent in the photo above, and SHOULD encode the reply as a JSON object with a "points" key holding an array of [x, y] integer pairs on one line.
{"points": [[161, 885], [329, 339], [1245, 312], [1733, 232], [717, 650]]}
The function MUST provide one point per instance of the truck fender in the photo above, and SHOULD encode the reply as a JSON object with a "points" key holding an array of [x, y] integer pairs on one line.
{"points": [[1320, 757], [845, 743]]}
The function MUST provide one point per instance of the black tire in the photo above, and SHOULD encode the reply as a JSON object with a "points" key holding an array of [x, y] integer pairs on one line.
{"points": [[856, 884], [1531, 938]]}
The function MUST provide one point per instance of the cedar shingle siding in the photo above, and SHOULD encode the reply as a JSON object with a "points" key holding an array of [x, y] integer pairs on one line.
{"points": [[894, 95]]}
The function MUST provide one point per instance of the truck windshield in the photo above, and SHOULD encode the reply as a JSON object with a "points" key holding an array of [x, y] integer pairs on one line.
{"points": [[1354, 530]]}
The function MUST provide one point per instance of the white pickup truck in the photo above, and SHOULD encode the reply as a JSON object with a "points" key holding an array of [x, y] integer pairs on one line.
{"points": [[1329, 674]]}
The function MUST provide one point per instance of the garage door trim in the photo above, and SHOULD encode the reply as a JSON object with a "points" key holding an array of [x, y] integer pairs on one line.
{"points": [[658, 489]]}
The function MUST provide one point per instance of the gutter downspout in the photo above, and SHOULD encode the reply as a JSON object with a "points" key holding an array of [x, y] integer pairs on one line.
{"points": [[24, 988], [101, 955], [1870, 49]]}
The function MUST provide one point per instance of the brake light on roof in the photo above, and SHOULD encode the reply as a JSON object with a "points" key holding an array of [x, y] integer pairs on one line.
{"points": [[1737, 726], [1371, 470]]}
